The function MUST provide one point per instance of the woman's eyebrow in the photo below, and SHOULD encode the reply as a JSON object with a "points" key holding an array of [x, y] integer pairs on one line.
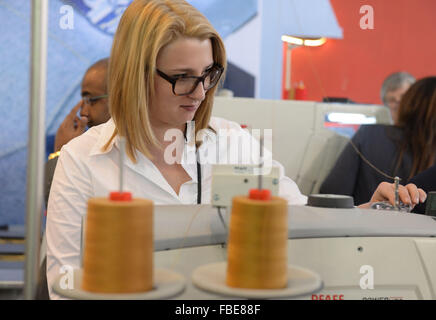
{"points": [[189, 69]]}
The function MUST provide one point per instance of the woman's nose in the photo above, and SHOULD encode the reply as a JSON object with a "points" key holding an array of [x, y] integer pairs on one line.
{"points": [[199, 93]]}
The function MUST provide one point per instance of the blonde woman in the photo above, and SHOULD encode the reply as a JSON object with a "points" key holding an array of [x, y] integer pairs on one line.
{"points": [[165, 65]]}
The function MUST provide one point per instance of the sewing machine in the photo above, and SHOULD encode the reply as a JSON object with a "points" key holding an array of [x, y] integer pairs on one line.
{"points": [[359, 254]]}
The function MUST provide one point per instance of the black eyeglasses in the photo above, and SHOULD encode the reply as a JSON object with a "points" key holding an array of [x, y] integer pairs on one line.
{"points": [[184, 85], [90, 100]]}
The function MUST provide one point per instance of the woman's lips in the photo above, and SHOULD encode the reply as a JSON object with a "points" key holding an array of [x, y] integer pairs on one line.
{"points": [[189, 108]]}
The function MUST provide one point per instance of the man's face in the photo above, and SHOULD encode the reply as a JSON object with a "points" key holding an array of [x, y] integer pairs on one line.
{"points": [[93, 85], [393, 98]]}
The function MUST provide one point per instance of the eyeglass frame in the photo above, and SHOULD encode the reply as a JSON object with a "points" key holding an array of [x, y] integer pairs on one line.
{"points": [[201, 79], [89, 100]]}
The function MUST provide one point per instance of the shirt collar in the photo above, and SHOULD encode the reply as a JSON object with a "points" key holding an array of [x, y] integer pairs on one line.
{"points": [[107, 129], [207, 137]]}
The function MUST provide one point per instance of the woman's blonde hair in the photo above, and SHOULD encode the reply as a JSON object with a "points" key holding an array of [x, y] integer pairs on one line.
{"points": [[144, 29]]}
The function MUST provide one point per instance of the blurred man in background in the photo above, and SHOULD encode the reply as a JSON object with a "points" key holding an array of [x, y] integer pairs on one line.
{"points": [[393, 88], [94, 110], [93, 106]]}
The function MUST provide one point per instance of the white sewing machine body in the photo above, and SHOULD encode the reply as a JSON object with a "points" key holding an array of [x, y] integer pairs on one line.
{"points": [[301, 142], [353, 250], [348, 248]]}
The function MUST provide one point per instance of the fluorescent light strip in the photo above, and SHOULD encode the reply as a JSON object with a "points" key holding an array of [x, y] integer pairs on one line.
{"points": [[315, 42], [293, 40], [304, 42], [350, 118]]}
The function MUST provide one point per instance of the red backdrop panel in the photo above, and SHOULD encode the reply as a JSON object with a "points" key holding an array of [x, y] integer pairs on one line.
{"points": [[403, 39]]}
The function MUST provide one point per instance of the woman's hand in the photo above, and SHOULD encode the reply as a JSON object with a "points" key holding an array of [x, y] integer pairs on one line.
{"points": [[409, 194]]}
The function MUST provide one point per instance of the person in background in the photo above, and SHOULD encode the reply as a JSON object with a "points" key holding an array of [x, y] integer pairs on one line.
{"points": [[426, 180], [93, 105], [404, 149], [94, 110], [393, 88]]}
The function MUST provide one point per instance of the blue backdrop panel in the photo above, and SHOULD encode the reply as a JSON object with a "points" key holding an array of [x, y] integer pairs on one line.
{"points": [[70, 53], [225, 15]]}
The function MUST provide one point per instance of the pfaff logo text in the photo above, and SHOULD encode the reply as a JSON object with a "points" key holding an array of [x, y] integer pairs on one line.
{"points": [[327, 297]]}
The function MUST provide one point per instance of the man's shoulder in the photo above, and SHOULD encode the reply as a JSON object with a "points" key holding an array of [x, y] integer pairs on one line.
{"points": [[378, 138], [377, 131], [86, 142]]}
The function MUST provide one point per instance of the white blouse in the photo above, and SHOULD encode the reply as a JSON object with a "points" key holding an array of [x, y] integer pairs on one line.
{"points": [[84, 171]]}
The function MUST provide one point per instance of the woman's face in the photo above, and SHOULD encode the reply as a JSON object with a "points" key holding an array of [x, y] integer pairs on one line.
{"points": [[184, 56]]}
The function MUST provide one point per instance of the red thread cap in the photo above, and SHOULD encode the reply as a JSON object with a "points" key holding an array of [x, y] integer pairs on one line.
{"points": [[120, 196], [256, 194]]}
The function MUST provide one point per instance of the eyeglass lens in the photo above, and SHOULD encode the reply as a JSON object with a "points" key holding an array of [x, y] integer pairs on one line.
{"points": [[188, 85]]}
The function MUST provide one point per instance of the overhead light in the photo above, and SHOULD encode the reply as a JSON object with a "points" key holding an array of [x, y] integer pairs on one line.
{"points": [[304, 41], [315, 42], [293, 40]]}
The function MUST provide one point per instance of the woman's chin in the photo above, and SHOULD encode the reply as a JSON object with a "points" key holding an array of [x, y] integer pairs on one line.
{"points": [[188, 115]]}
